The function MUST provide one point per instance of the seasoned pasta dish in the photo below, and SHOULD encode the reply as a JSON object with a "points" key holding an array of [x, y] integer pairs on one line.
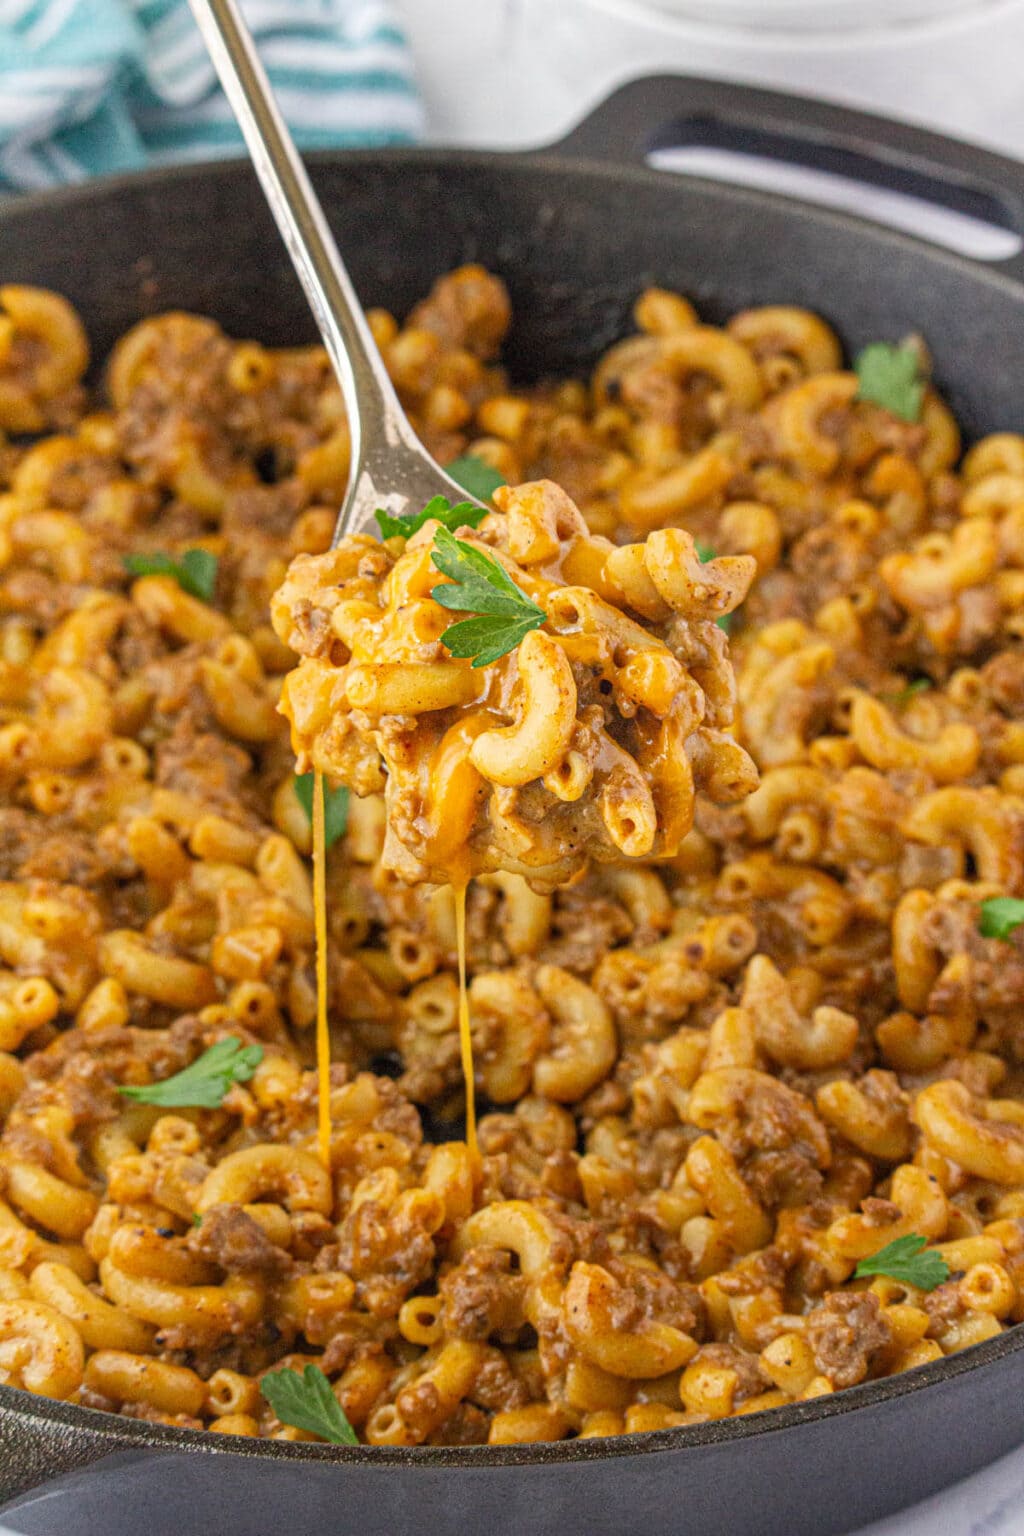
{"points": [[698, 739]]}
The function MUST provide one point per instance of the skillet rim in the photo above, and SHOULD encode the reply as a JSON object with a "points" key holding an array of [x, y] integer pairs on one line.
{"points": [[124, 1433], [559, 159]]}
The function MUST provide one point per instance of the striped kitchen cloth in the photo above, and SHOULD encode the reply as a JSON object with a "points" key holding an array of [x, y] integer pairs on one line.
{"points": [[94, 86]]}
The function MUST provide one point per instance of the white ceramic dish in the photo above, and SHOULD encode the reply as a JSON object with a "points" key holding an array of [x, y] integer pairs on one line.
{"points": [[507, 73], [805, 18]]}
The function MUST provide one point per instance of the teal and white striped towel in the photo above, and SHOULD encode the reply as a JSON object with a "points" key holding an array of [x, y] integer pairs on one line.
{"points": [[93, 86]]}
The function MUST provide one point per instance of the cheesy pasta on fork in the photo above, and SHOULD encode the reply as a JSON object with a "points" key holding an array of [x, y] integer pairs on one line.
{"points": [[590, 737]]}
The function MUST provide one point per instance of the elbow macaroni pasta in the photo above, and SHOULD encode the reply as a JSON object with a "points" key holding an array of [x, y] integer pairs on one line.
{"points": [[745, 1046]]}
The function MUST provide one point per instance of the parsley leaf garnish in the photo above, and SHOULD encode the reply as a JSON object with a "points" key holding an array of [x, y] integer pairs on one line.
{"points": [[475, 476], [335, 806], [905, 1259], [890, 376], [480, 585], [307, 1402], [1000, 916], [904, 695], [485, 640], [704, 554], [464, 514], [203, 1084], [195, 572]]}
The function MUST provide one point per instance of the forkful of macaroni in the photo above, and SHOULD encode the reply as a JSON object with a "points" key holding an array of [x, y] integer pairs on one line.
{"points": [[529, 696], [389, 469], [526, 694]]}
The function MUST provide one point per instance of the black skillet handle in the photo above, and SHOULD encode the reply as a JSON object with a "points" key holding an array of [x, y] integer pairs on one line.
{"points": [[669, 111]]}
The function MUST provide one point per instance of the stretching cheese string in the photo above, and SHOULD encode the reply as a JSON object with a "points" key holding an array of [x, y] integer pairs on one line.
{"points": [[465, 1037], [323, 1037]]}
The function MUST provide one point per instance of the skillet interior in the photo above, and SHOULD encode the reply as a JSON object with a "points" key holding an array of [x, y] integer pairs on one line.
{"points": [[576, 243]]}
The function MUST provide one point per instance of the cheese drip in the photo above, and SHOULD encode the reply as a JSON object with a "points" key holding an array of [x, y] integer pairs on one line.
{"points": [[323, 1038], [465, 1037]]}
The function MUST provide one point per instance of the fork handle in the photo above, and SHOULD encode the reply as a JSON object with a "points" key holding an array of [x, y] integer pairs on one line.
{"points": [[373, 408]]}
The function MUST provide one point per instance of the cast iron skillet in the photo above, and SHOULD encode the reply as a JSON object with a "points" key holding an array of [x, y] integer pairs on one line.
{"points": [[577, 231]]}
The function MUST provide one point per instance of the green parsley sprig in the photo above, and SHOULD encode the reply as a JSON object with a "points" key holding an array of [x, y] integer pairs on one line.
{"points": [[901, 696], [909, 1260], [1000, 917], [479, 584], [307, 1402], [475, 476], [891, 377], [335, 806], [704, 554], [464, 514], [203, 1084], [195, 572]]}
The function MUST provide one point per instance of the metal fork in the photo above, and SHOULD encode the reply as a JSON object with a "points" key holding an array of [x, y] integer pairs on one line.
{"points": [[390, 468]]}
